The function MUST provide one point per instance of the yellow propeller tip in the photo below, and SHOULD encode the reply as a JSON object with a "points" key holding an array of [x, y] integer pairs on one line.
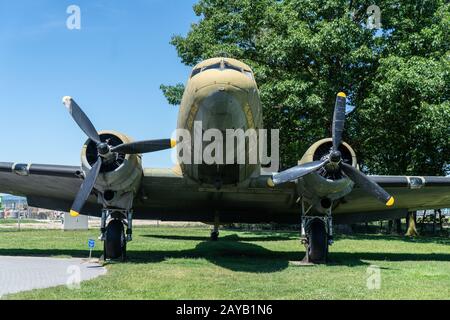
{"points": [[390, 202], [73, 213], [341, 94], [270, 183], [173, 143]]}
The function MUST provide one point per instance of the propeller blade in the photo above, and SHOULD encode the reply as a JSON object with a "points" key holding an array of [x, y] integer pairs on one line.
{"points": [[144, 146], [81, 119], [86, 189], [297, 172], [368, 185], [338, 120]]}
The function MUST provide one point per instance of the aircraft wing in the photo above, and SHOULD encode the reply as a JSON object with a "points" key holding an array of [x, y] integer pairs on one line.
{"points": [[164, 195], [45, 186], [167, 195], [410, 193], [172, 197]]}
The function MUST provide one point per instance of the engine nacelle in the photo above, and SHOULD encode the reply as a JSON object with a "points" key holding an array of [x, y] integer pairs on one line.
{"points": [[322, 187], [120, 177]]}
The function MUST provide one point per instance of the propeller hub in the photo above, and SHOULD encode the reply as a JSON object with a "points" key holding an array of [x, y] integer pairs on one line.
{"points": [[103, 148], [335, 156]]}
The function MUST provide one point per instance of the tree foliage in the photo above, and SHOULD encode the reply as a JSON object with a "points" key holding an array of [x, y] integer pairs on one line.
{"points": [[305, 51], [173, 94]]}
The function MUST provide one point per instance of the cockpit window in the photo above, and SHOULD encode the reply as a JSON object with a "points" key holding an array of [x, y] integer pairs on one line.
{"points": [[213, 66], [222, 66], [195, 72], [249, 74], [231, 67]]}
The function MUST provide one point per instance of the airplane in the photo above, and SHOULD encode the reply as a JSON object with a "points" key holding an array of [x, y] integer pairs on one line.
{"points": [[325, 188]]}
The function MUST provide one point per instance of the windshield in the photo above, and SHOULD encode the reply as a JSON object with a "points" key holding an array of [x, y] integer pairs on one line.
{"points": [[222, 66]]}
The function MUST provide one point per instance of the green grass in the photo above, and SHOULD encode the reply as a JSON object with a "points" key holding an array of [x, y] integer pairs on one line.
{"points": [[180, 263]]}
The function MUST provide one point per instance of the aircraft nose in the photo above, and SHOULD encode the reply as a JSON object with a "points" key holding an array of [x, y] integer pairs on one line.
{"points": [[221, 106]]}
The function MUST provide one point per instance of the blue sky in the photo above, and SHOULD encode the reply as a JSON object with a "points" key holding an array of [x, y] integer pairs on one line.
{"points": [[113, 68]]}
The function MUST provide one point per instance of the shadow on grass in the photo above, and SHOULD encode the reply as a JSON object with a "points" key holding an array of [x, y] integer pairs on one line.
{"points": [[374, 237], [356, 259], [235, 256], [266, 237], [231, 252]]}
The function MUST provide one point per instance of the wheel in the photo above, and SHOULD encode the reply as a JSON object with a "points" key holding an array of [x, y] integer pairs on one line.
{"points": [[214, 235], [318, 242], [115, 244]]}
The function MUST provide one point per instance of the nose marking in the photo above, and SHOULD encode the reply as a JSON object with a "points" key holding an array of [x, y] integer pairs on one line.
{"points": [[249, 115], [191, 117]]}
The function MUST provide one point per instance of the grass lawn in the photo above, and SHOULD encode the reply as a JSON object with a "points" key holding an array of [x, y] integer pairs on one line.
{"points": [[180, 263]]}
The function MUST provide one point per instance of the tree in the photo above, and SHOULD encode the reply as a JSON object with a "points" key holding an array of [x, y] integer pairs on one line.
{"points": [[304, 52], [404, 123], [403, 118], [174, 93]]}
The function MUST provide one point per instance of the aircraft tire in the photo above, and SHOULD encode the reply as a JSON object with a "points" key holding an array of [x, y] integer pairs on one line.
{"points": [[115, 244], [318, 242], [214, 236]]}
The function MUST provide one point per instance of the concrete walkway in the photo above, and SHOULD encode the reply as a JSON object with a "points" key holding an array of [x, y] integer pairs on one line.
{"points": [[26, 273]]}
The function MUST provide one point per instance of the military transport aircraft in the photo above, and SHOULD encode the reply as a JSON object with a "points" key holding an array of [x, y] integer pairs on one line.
{"points": [[326, 187]]}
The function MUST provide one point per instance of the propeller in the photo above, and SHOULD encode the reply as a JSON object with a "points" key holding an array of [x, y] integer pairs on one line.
{"points": [[105, 151], [297, 172], [334, 160], [144, 146], [338, 120]]}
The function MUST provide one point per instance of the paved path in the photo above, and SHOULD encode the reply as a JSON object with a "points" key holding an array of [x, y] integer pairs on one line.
{"points": [[26, 273]]}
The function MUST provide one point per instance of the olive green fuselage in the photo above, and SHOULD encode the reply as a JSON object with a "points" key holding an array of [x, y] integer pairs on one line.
{"points": [[220, 94]]}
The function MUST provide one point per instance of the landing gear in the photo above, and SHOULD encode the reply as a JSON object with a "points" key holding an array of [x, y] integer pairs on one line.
{"points": [[215, 230], [215, 234], [316, 235], [316, 242], [113, 235], [115, 245]]}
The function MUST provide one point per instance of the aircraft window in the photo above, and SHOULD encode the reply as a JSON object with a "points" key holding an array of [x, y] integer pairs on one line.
{"points": [[230, 66], [213, 66], [219, 66], [249, 74], [195, 72]]}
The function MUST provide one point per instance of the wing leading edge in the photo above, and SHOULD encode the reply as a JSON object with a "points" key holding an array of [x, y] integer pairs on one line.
{"points": [[167, 195], [46, 186]]}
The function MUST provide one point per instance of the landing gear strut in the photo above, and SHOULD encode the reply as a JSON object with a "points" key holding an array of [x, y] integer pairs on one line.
{"points": [[316, 235], [215, 230], [215, 233], [113, 234]]}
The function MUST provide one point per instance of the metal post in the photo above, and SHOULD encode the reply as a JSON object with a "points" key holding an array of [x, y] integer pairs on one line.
{"points": [[330, 225], [130, 225], [302, 222], [105, 214]]}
